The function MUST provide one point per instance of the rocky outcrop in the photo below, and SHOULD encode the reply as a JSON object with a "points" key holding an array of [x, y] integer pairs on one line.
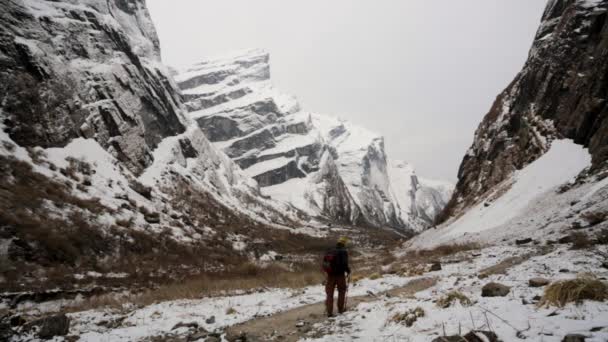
{"points": [[87, 70], [326, 167], [562, 92], [93, 71], [99, 162]]}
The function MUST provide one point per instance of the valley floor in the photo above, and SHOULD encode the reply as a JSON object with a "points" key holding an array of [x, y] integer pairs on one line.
{"points": [[378, 308]]}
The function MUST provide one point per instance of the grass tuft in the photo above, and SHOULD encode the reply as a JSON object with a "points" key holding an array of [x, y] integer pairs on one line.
{"points": [[449, 298], [575, 290]]}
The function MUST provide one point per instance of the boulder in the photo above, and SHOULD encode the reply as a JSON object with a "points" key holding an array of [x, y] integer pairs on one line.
{"points": [[523, 241], [6, 331], [494, 290], [574, 338], [436, 266], [210, 320], [538, 282], [472, 336], [190, 325], [51, 326], [152, 218]]}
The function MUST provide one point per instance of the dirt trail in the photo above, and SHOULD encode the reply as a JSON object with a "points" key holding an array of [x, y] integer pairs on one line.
{"points": [[282, 326]]}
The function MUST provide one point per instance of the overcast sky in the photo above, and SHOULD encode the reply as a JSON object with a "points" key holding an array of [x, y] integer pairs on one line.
{"points": [[421, 73]]}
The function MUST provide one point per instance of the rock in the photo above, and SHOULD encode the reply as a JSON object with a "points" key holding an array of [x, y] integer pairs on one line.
{"points": [[576, 225], [210, 320], [152, 218], [605, 264], [574, 338], [436, 266], [197, 336], [523, 241], [472, 336], [453, 338], [7, 231], [565, 106], [87, 131], [300, 324], [481, 336], [564, 270], [6, 331], [212, 339], [17, 320], [191, 325], [494, 290], [538, 282], [51, 326], [565, 239]]}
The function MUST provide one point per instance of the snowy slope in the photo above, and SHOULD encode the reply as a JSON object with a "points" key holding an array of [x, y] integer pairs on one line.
{"points": [[324, 166], [559, 94], [539, 201], [126, 100], [89, 112]]}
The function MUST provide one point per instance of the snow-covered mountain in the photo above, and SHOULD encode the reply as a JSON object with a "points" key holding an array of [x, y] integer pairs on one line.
{"points": [[322, 165], [538, 164], [95, 143], [560, 93]]}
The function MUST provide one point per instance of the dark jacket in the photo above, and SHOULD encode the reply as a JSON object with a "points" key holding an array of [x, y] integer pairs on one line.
{"points": [[341, 261]]}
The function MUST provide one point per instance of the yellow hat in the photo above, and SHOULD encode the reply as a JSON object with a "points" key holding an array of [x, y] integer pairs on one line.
{"points": [[343, 240]]}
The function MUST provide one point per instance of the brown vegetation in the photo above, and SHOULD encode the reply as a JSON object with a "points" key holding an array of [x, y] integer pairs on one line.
{"points": [[443, 250], [594, 217], [449, 298], [248, 277], [580, 240], [575, 290]]}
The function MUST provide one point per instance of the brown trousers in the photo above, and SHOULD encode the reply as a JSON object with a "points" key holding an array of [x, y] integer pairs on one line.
{"points": [[334, 281]]}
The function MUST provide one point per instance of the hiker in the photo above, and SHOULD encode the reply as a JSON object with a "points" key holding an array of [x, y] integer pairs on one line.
{"points": [[335, 265]]}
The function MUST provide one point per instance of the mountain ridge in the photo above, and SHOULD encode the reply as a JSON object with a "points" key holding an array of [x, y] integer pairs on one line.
{"points": [[276, 142]]}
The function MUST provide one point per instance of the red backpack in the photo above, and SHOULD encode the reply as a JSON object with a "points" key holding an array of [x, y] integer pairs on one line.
{"points": [[329, 261]]}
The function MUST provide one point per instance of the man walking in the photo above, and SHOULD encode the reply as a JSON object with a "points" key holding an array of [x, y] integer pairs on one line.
{"points": [[335, 264]]}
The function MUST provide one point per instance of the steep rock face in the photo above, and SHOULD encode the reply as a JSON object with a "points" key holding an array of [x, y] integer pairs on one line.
{"points": [[562, 92], [321, 165], [86, 68], [100, 164], [91, 69]]}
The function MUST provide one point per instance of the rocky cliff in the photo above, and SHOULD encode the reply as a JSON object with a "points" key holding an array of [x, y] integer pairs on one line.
{"points": [[561, 92], [324, 166], [100, 162]]}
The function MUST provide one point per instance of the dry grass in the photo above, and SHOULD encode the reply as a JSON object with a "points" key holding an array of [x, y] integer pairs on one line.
{"points": [[594, 217], [245, 278], [575, 290], [449, 298], [503, 266], [443, 250], [580, 240], [375, 276], [409, 317]]}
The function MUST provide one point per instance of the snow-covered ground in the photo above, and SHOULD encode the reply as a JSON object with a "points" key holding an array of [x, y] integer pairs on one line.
{"points": [[160, 318], [529, 203], [516, 313], [506, 316]]}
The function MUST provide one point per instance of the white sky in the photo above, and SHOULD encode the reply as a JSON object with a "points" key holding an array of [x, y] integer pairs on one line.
{"points": [[422, 73]]}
